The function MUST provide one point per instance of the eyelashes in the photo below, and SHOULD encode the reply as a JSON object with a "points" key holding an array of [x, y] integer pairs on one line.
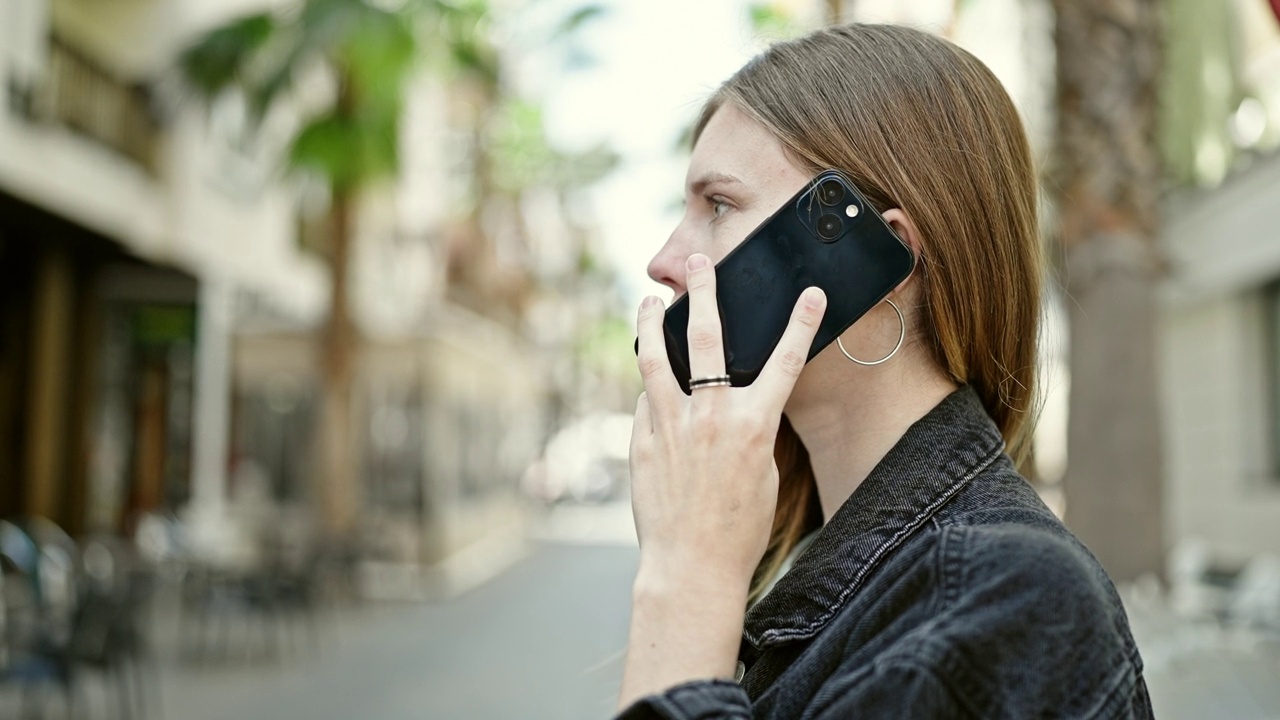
{"points": [[719, 206]]}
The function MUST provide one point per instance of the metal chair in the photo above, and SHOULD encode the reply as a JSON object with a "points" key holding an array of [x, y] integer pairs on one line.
{"points": [[32, 660], [111, 619]]}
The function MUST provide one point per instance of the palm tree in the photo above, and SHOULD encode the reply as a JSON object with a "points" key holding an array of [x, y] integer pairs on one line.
{"points": [[367, 51], [1107, 182]]}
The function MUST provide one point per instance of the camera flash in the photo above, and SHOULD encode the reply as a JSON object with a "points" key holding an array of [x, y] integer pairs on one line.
{"points": [[851, 211]]}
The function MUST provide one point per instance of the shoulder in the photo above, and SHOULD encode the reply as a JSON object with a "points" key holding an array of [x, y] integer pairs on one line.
{"points": [[1010, 619], [1027, 606], [998, 535], [1033, 555]]}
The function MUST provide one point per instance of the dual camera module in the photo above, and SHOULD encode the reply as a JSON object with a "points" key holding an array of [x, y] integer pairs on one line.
{"points": [[830, 225]]}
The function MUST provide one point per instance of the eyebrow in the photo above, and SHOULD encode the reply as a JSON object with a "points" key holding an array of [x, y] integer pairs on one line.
{"points": [[697, 186]]}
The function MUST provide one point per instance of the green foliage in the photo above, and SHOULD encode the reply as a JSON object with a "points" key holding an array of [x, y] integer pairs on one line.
{"points": [[772, 20], [464, 27], [605, 348], [522, 157], [518, 146], [1200, 88], [368, 48], [376, 56], [578, 18], [219, 60], [346, 151]]}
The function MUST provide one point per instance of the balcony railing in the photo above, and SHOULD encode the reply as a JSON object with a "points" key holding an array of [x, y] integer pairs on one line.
{"points": [[83, 96]]}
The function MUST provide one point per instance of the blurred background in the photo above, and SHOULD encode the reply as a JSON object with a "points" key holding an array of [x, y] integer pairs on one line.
{"points": [[316, 320]]}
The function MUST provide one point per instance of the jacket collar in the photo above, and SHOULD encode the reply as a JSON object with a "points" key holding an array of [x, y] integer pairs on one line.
{"points": [[928, 466]]}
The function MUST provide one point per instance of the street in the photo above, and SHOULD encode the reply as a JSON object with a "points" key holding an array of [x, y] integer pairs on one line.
{"points": [[542, 640], [542, 637]]}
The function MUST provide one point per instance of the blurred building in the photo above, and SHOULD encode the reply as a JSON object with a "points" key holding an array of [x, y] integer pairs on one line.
{"points": [[1221, 333], [126, 231], [162, 289]]}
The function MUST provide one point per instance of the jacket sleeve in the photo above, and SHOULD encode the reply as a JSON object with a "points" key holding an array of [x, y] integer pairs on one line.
{"points": [[696, 700], [904, 690]]}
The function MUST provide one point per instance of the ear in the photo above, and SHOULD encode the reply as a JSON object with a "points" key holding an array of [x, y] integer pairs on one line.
{"points": [[903, 225]]}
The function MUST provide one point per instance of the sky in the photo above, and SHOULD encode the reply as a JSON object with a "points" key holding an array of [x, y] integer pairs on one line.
{"points": [[654, 64]]}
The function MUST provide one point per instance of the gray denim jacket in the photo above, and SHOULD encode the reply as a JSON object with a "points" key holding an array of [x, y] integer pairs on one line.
{"points": [[942, 588]]}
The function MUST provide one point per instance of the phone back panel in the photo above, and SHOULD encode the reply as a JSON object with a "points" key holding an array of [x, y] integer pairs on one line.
{"points": [[758, 284]]}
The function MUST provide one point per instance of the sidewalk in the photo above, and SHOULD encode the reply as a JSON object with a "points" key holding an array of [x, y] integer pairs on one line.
{"points": [[543, 640], [1201, 670]]}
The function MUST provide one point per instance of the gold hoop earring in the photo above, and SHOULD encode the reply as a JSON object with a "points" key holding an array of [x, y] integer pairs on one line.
{"points": [[902, 335]]}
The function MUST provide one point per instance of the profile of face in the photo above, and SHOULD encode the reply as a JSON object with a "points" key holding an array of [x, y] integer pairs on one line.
{"points": [[740, 174]]}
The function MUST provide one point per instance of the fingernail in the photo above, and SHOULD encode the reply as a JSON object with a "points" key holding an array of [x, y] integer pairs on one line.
{"points": [[697, 261], [649, 301], [814, 298]]}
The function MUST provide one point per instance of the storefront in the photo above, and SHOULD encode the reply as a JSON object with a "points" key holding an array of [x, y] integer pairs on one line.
{"points": [[96, 352]]}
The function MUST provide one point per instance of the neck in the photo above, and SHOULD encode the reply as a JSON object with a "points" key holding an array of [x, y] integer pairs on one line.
{"points": [[849, 416]]}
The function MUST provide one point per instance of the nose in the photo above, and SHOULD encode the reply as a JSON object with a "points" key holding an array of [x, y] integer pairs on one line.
{"points": [[667, 267]]}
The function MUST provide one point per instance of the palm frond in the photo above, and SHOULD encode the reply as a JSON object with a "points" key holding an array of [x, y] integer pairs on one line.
{"points": [[348, 152], [220, 58]]}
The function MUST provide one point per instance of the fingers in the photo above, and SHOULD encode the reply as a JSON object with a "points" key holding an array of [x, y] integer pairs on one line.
{"points": [[706, 348], [660, 385], [788, 358]]}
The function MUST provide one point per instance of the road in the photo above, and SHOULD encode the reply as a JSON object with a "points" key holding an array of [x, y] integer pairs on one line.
{"points": [[542, 640]]}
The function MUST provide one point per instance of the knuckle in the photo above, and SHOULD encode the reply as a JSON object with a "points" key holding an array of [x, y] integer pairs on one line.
{"points": [[808, 317], [703, 338], [649, 365], [706, 419], [791, 362], [764, 429], [756, 428]]}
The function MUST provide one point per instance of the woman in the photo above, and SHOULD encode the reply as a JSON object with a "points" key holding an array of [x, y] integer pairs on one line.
{"points": [[849, 539]]}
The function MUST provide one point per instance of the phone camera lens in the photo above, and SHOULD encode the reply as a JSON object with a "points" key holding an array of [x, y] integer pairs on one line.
{"points": [[830, 192], [830, 227]]}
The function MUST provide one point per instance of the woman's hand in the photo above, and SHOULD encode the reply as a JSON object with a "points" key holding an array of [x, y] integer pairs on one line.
{"points": [[704, 485], [703, 489]]}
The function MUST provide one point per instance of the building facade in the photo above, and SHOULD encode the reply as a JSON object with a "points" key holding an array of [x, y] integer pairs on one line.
{"points": [[161, 301]]}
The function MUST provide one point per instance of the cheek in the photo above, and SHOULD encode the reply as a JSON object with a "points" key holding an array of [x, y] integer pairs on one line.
{"points": [[733, 232]]}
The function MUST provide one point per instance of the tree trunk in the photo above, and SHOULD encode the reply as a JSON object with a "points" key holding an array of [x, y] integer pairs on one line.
{"points": [[340, 490], [1107, 179], [835, 12]]}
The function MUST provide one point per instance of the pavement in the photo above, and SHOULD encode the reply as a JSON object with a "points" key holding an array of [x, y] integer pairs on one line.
{"points": [[1204, 669], [541, 636], [542, 640]]}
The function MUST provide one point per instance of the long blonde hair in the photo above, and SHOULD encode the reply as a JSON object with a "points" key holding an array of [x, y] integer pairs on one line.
{"points": [[918, 124]]}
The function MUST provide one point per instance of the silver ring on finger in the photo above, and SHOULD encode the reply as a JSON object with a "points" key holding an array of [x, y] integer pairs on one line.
{"points": [[709, 381]]}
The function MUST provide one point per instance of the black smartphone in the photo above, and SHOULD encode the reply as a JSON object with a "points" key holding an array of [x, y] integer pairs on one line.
{"points": [[828, 235]]}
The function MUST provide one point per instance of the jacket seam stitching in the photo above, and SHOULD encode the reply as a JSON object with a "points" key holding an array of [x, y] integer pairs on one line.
{"points": [[892, 544], [903, 662]]}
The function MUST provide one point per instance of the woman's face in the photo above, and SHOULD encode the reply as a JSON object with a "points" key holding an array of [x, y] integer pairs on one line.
{"points": [[738, 176]]}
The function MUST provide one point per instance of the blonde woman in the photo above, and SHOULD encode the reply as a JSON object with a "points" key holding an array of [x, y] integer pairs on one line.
{"points": [[844, 540]]}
